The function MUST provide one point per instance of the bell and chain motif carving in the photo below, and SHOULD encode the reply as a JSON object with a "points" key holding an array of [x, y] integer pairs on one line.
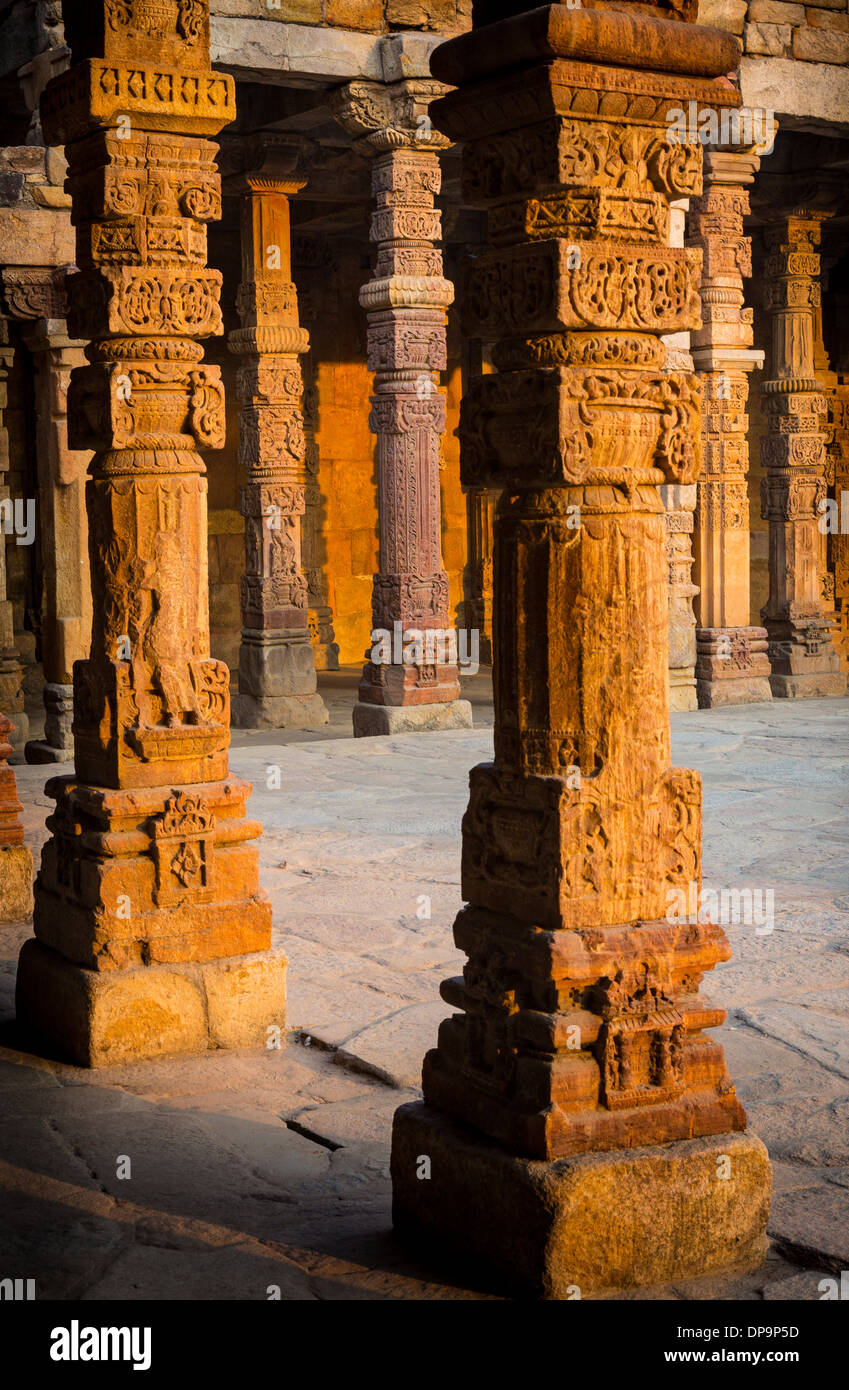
{"points": [[150, 879], [799, 624], [277, 681], [406, 303], [733, 666]]}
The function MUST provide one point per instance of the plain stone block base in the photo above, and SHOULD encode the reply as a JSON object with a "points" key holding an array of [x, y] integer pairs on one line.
{"points": [[598, 1221], [410, 719], [278, 711], [746, 690], [37, 751], [817, 685], [99, 1018], [16, 872]]}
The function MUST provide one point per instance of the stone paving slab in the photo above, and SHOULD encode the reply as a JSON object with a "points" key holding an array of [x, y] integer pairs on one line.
{"points": [[271, 1167]]}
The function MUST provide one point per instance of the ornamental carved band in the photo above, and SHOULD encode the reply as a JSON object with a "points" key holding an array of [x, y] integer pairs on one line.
{"points": [[127, 879], [581, 1024]]}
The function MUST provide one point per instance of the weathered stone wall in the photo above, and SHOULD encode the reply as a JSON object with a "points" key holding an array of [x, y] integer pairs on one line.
{"points": [[794, 55], [374, 16]]}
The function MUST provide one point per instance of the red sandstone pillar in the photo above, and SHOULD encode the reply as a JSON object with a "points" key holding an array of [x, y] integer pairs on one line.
{"points": [[410, 680], [576, 1090]]}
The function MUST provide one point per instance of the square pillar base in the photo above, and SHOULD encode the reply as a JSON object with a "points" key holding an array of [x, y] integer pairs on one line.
{"points": [[278, 712], [101, 1018], [38, 751], [598, 1221], [815, 685], [370, 720], [16, 871]]}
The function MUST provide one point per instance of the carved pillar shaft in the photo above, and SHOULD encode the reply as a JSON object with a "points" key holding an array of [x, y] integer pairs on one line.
{"points": [[66, 593], [480, 504], [579, 1032], [733, 667], [801, 650], [148, 887], [277, 681], [11, 690], [407, 684]]}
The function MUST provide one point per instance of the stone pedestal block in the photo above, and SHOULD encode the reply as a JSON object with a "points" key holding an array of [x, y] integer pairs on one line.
{"points": [[370, 720], [99, 1019], [596, 1222], [57, 746], [733, 666], [16, 869]]}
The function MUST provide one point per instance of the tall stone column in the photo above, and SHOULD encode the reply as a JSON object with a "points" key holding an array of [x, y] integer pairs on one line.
{"points": [[480, 507], [802, 655], [15, 857], [679, 504], [11, 689], [733, 666], [151, 932], [406, 685], [277, 680], [575, 1090], [37, 297]]}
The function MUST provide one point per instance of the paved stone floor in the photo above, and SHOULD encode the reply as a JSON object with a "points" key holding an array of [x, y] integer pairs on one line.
{"points": [[256, 1169]]}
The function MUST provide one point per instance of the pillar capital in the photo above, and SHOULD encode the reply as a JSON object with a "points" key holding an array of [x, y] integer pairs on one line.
{"points": [[390, 116]]}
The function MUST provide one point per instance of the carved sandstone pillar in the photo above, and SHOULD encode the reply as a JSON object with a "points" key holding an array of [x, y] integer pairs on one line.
{"points": [[38, 298], [575, 1090], [277, 681], [804, 661], [679, 504], [406, 304], [11, 689], [151, 932], [480, 509], [733, 666], [15, 857]]}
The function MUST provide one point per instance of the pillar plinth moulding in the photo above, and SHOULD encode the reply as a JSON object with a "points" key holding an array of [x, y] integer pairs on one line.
{"points": [[277, 680], [151, 931], [576, 1088], [37, 297], [11, 688], [733, 666], [802, 655], [406, 303], [15, 857]]}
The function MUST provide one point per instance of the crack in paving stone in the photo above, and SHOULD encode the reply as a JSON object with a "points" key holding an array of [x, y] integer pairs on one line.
{"points": [[297, 1128]]}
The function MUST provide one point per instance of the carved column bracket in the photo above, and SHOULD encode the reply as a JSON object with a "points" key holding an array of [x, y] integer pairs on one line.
{"points": [[148, 886], [733, 666], [802, 655], [406, 684], [277, 680]]}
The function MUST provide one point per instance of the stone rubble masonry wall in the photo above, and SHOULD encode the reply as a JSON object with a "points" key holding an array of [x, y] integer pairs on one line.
{"points": [[780, 42], [375, 16]]}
